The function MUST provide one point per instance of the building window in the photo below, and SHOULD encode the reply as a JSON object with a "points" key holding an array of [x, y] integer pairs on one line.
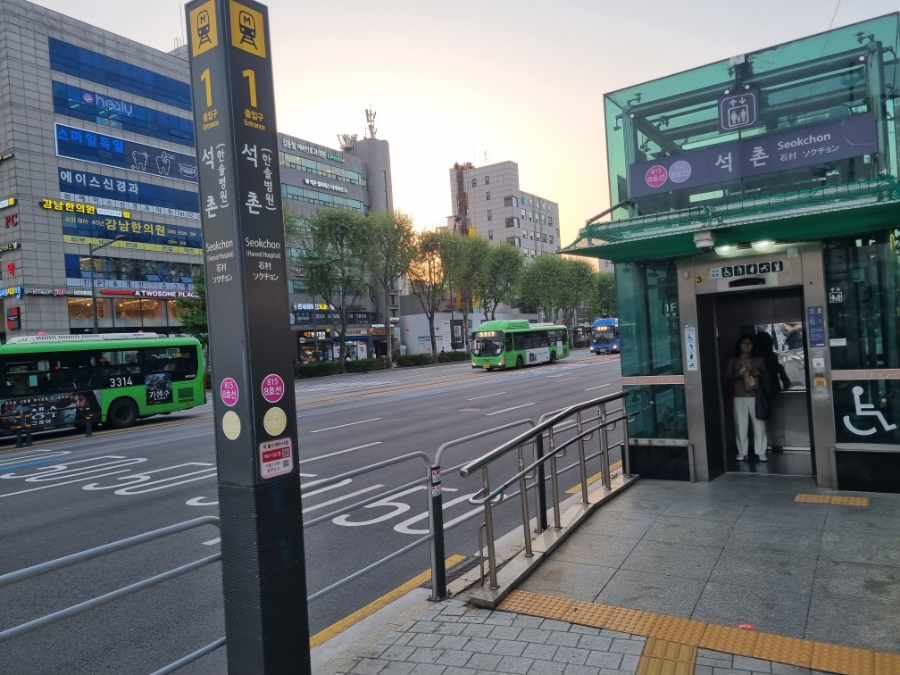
{"points": [[544, 238], [490, 215], [490, 234], [531, 216], [487, 195], [522, 212], [487, 180], [550, 221], [515, 241], [474, 182], [509, 201], [512, 222]]}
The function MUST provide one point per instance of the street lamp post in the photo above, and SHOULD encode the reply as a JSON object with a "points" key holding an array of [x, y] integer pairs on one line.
{"points": [[93, 275]]}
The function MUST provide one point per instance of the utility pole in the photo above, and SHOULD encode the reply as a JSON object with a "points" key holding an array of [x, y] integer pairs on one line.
{"points": [[250, 340], [93, 276]]}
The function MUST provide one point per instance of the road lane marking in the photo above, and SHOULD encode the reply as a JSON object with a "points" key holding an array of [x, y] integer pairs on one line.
{"points": [[339, 452], [475, 398], [77, 480], [593, 479], [515, 407], [341, 426], [212, 542], [339, 627], [432, 393], [599, 386], [340, 499]]}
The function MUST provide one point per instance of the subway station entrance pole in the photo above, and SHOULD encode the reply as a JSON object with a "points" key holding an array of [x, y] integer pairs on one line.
{"points": [[251, 349]]}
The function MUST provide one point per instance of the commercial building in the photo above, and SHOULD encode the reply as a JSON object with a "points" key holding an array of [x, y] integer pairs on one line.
{"points": [[499, 210], [97, 144], [759, 195]]}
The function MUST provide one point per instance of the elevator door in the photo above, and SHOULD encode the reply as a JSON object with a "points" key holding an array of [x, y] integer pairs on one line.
{"points": [[779, 313]]}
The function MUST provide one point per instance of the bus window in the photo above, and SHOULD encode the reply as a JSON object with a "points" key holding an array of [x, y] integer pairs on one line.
{"points": [[120, 363], [181, 362], [509, 343], [26, 374]]}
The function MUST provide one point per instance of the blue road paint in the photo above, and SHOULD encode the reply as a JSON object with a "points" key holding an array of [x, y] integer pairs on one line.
{"points": [[22, 466]]}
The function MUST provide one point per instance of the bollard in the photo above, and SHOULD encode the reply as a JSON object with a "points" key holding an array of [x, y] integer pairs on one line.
{"points": [[19, 430], [438, 569], [88, 431], [28, 430], [541, 485]]}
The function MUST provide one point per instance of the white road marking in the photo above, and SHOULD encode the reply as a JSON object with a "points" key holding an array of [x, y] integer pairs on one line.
{"points": [[398, 508], [475, 398], [344, 482], [198, 501], [212, 542], [599, 386], [515, 407], [577, 377], [77, 480], [339, 452], [341, 426], [340, 499]]}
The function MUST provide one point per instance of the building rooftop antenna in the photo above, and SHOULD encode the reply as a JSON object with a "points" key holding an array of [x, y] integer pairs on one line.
{"points": [[370, 120]]}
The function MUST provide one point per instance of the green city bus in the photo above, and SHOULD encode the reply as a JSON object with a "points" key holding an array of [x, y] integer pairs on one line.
{"points": [[515, 344], [114, 379]]}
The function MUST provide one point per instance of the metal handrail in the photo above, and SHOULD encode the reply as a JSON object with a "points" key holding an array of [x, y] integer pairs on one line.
{"points": [[539, 429], [489, 498]]}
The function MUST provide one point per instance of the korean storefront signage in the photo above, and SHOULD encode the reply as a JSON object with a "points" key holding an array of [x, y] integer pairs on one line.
{"points": [[11, 292], [6, 203], [828, 142], [324, 185], [12, 246], [310, 150], [89, 146], [139, 235], [129, 195]]}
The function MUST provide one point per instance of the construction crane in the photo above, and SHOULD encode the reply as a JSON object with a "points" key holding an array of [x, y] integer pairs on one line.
{"points": [[461, 218]]}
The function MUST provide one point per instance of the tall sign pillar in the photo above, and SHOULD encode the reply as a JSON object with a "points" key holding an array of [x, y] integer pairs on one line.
{"points": [[251, 349]]}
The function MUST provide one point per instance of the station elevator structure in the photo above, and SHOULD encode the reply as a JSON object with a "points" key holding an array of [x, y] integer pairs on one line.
{"points": [[759, 194]]}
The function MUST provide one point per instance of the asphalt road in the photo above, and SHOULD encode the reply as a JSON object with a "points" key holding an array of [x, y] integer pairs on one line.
{"points": [[68, 493]]}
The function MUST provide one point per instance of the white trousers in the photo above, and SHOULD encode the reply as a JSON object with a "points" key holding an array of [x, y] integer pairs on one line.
{"points": [[744, 409]]}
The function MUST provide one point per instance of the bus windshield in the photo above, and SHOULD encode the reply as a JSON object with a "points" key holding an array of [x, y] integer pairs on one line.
{"points": [[604, 334], [488, 343]]}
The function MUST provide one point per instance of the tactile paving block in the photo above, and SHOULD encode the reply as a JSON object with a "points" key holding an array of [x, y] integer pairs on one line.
{"points": [[792, 651], [887, 664], [843, 660], [589, 614], [728, 639], [813, 499], [632, 621], [850, 501], [537, 604], [651, 666], [670, 651], [675, 629]]}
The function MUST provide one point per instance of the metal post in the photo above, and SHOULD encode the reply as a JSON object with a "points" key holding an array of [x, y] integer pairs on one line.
{"points": [[526, 520], [581, 462], [19, 442], [436, 513], [626, 464], [489, 527], [88, 430], [28, 430], [604, 449], [541, 487], [93, 275]]}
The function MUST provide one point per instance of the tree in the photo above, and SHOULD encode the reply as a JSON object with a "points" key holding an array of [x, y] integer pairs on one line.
{"points": [[427, 280], [465, 264], [605, 300], [544, 285], [500, 280], [334, 244], [393, 247], [580, 288], [192, 312]]}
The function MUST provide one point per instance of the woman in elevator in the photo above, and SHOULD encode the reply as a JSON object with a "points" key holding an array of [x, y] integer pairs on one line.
{"points": [[742, 378]]}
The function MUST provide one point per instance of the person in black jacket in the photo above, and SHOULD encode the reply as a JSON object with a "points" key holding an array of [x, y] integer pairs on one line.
{"points": [[777, 377]]}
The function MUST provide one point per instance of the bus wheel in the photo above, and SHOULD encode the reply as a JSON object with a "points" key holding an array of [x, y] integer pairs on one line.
{"points": [[552, 358], [519, 363], [122, 413]]}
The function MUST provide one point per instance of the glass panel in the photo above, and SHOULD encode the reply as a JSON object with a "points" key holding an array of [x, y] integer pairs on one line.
{"points": [[662, 409], [153, 312], [173, 312], [178, 363], [81, 316], [649, 318], [862, 276], [867, 411], [128, 313]]}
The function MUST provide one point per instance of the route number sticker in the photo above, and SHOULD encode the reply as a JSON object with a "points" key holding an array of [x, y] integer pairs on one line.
{"points": [[231, 425], [275, 458], [273, 388], [229, 392]]}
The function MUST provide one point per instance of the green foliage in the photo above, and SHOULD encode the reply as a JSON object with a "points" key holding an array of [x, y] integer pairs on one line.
{"points": [[192, 313], [324, 368], [579, 344], [500, 280], [414, 360], [392, 249], [450, 357], [465, 262], [605, 299], [427, 280], [556, 285]]}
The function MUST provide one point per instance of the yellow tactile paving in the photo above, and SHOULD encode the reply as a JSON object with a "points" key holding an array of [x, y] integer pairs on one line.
{"points": [[813, 499], [850, 501], [590, 614], [792, 651], [727, 639], [836, 500], [887, 664], [672, 642], [683, 631], [843, 660]]}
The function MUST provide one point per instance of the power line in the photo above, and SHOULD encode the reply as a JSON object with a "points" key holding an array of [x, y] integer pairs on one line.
{"points": [[835, 14]]}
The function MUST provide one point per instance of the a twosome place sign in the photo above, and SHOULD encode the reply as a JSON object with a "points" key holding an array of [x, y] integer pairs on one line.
{"points": [[853, 136], [251, 345]]}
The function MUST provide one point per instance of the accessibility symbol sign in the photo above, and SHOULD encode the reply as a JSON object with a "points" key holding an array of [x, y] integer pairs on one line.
{"points": [[690, 343], [738, 111]]}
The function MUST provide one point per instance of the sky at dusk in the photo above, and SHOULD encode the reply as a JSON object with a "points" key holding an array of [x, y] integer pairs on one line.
{"points": [[464, 80]]}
